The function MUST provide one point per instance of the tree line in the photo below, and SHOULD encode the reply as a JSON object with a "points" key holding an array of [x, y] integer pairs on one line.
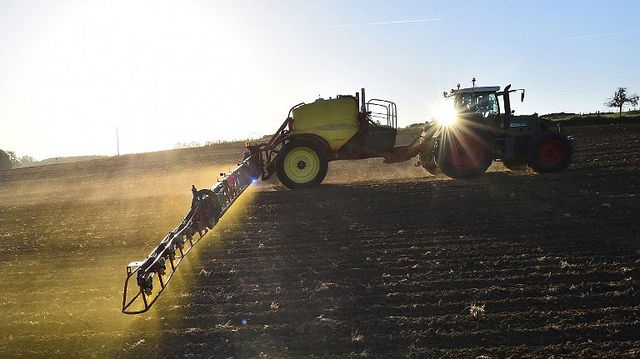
{"points": [[8, 160]]}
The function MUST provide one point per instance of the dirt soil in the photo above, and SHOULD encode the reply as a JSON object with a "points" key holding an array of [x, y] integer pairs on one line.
{"points": [[381, 262]]}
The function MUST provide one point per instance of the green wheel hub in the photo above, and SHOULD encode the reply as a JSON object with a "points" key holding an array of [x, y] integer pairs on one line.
{"points": [[301, 165]]}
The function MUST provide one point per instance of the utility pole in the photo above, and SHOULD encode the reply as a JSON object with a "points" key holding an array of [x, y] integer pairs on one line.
{"points": [[117, 141]]}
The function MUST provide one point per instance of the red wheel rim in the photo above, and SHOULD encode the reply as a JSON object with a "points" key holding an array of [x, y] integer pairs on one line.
{"points": [[466, 150], [550, 153]]}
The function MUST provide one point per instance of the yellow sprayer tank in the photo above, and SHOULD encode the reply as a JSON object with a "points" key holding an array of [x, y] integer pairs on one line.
{"points": [[335, 120]]}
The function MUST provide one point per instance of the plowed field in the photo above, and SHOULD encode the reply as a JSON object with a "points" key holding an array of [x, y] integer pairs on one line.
{"points": [[378, 262]]}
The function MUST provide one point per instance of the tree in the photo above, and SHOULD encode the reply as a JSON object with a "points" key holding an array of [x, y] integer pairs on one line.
{"points": [[26, 160], [621, 98], [5, 160], [8, 160]]}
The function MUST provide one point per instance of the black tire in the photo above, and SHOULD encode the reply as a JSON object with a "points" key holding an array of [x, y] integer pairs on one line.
{"points": [[211, 207], [301, 164], [550, 151], [428, 159], [465, 152]]}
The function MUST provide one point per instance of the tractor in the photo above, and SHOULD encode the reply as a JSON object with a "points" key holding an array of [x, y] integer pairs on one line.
{"points": [[472, 132], [460, 143]]}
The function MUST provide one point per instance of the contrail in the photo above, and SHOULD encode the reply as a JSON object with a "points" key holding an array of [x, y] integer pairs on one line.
{"points": [[379, 23], [600, 35]]}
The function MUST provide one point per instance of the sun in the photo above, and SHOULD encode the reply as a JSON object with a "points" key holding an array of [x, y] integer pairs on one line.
{"points": [[446, 114]]}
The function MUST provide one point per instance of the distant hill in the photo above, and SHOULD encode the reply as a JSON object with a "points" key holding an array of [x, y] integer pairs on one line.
{"points": [[59, 160], [406, 135], [599, 118], [74, 159]]}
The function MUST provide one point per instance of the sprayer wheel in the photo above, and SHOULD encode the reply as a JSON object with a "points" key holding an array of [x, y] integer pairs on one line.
{"points": [[301, 164]]}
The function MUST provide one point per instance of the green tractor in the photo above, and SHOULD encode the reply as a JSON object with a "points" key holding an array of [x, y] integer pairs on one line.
{"points": [[461, 144], [463, 141]]}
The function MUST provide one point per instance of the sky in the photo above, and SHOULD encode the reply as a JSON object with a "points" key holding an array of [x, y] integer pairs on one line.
{"points": [[158, 72]]}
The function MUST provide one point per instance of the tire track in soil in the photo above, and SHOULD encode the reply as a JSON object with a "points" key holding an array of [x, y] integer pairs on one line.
{"points": [[389, 269]]}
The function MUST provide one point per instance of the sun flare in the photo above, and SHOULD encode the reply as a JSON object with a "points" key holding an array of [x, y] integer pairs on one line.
{"points": [[446, 114]]}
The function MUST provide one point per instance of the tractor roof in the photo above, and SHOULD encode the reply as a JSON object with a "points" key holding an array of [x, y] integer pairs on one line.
{"points": [[477, 89]]}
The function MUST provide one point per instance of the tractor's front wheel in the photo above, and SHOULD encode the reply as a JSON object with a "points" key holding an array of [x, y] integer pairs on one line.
{"points": [[301, 164], [550, 152], [428, 159], [465, 152]]}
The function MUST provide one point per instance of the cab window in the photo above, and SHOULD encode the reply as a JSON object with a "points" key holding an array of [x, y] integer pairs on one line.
{"points": [[485, 104]]}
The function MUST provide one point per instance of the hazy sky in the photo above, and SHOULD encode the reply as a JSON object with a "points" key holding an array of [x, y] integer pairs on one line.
{"points": [[162, 72]]}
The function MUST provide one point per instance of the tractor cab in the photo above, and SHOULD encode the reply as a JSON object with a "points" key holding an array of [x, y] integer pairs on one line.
{"points": [[486, 105], [479, 100]]}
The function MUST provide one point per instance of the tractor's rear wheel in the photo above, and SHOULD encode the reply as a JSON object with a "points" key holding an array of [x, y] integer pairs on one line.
{"points": [[301, 164], [550, 152], [465, 152]]}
